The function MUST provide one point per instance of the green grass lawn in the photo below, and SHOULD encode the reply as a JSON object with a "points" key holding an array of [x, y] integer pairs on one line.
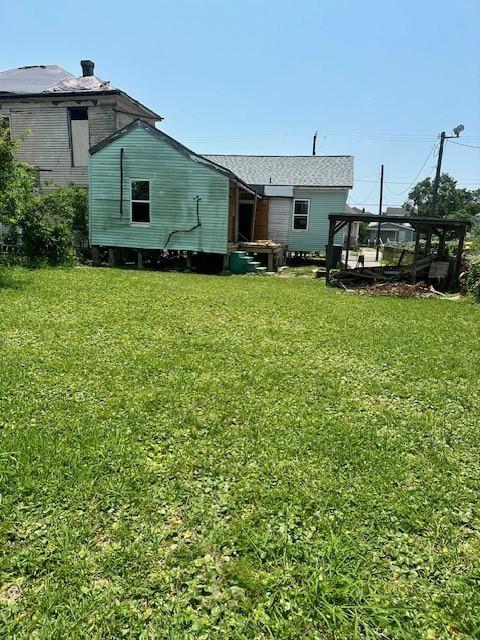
{"points": [[188, 456]]}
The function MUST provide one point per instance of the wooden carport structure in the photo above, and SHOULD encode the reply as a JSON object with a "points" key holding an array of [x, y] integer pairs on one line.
{"points": [[423, 226]]}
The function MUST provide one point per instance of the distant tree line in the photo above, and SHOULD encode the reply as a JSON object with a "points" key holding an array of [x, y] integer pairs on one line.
{"points": [[452, 202]]}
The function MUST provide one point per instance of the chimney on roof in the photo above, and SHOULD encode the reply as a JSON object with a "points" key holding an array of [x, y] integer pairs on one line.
{"points": [[87, 67]]}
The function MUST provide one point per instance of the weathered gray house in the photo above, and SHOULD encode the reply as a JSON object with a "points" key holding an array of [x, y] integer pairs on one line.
{"points": [[392, 231], [64, 116]]}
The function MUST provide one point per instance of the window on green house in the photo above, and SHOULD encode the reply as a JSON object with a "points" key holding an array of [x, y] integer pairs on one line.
{"points": [[301, 212], [140, 199]]}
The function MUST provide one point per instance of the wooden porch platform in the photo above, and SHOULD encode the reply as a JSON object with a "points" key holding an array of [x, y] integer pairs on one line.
{"points": [[275, 251]]}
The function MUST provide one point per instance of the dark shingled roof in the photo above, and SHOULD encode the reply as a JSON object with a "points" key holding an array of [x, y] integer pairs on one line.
{"points": [[311, 171]]}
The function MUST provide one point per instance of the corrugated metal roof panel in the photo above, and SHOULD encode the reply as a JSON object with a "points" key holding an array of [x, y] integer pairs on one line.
{"points": [[33, 79]]}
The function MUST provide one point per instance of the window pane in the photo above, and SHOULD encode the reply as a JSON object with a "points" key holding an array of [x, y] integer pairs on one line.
{"points": [[79, 113], [301, 207], [140, 190], [140, 212], [300, 222]]}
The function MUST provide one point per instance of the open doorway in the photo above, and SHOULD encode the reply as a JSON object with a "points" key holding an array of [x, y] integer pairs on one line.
{"points": [[245, 219]]}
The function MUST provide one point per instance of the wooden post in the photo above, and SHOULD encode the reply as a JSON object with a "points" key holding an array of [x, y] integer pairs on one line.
{"points": [[237, 198], [139, 258], [379, 213], [95, 255], [417, 243], [441, 244], [189, 261], [331, 233], [111, 257], [415, 255], [428, 242], [226, 262], [458, 261], [254, 214], [270, 260], [377, 242], [349, 231]]}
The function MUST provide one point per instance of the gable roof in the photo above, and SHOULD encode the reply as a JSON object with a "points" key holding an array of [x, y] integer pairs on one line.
{"points": [[185, 151], [357, 211], [33, 79], [396, 211], [388, 225], [307, 171]]}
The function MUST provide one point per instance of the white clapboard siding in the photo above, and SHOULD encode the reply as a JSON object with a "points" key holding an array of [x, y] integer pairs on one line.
{"points": [[278, 219], [47, 143], [102, 122]]}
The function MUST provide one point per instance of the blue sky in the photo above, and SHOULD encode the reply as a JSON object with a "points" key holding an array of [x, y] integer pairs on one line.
{"points": [[376, 79]]}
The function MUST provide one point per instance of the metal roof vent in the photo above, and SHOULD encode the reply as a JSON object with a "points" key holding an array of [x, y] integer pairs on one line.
{"points": [[87, 67]]}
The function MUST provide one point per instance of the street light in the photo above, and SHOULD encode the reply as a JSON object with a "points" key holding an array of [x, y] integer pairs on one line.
{"points": [[457, 131]]}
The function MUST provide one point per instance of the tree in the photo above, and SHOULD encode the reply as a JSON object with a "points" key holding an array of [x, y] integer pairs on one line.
{"points": [[451, 201], [51, 229], [52, 223], [17, 182]]}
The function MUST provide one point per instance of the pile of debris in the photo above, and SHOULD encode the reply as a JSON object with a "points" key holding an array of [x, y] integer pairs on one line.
{"points": [[419, 268], [399, 289]]}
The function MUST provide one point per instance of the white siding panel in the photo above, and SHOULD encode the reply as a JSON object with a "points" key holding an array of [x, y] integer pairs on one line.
{"points": [[102, 122], [272, 190], [278, 219], [123, 119], [47, 144]]}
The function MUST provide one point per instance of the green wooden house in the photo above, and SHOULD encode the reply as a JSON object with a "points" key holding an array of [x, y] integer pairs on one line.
{"points": [[149, 192]]}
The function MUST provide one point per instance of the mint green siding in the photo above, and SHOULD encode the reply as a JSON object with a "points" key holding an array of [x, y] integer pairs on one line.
{"points": [[322, 202], [176, 178]]}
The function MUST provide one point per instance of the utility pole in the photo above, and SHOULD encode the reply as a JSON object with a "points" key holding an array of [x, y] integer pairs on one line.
{"points": [[379, 213], [457, 131], [314, 150], [437, 175]]}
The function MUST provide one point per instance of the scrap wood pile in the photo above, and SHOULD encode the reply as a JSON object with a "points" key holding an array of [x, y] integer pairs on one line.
{"points": [[400, 280], [420, 268], [399, 289]]}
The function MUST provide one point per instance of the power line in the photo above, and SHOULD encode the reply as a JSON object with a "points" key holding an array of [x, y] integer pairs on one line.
{"points": [[375, 204], [367, 197], [462, 144], [416, 177], [324, 134], [409, 182]]}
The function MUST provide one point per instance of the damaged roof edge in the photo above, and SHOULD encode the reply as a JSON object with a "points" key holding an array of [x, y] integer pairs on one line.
{"points": [[52, 96], [192, 155]]}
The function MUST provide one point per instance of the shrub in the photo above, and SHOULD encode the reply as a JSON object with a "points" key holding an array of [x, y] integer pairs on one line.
{"points": [[47, 236], [473, 277], [55, 226], [17, 181]]}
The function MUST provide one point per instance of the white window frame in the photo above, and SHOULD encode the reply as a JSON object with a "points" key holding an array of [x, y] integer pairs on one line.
{"points": [[300, 215], [142, 224]]}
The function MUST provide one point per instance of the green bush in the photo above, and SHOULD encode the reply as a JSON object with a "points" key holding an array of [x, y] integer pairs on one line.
{"points": [[473, 277], [53, 227]]}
